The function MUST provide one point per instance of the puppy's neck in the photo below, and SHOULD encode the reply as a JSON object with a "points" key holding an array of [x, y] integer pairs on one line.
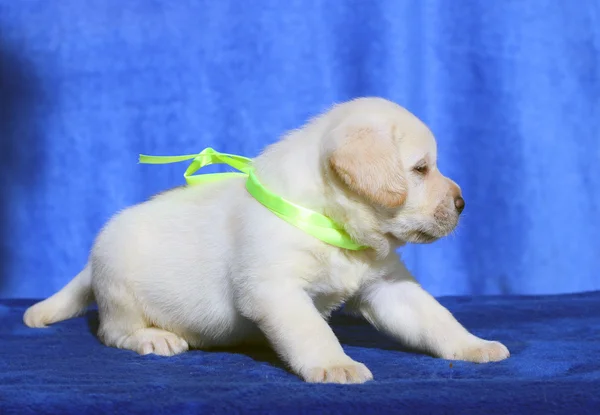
{"points": [[290, 168], [360, 223], [294, 169]]}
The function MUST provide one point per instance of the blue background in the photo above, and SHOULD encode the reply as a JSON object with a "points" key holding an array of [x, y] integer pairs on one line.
{"points": [[510, 88]]}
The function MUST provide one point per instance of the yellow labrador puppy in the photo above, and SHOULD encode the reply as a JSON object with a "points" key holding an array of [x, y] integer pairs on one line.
{"points": [[207, 265]]}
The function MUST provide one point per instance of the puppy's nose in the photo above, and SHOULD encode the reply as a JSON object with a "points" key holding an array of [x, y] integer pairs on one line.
{"points": [[459, 202]]}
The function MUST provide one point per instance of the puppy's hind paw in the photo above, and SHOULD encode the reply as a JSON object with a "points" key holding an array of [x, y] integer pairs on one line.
{"points": [[155, 341]]}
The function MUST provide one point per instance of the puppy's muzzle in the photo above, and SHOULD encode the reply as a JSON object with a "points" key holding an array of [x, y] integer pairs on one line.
{"points": [[459, 204]]}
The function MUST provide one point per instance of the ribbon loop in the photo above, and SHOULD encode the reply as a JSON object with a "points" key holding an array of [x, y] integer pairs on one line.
{"points": [[309, 221]]}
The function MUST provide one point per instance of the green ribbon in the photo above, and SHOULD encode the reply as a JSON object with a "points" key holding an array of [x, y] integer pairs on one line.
{"points": [[309, 221]]}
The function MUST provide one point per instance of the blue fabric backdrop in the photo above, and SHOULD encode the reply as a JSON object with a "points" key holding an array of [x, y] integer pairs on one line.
{"points": [[510, 88]]}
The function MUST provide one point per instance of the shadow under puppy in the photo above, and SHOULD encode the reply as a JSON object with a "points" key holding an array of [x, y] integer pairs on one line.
{"points": [[209, 266]]}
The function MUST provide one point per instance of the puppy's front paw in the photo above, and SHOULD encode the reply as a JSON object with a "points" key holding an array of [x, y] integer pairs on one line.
{"points": [[480, 351], [348, 372]]}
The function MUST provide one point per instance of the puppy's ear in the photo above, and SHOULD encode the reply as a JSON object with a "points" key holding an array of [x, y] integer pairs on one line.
{"points": [[368, 163]]}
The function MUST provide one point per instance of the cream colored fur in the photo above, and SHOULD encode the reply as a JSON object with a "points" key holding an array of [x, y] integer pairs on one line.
{"points": [[207, 266]]}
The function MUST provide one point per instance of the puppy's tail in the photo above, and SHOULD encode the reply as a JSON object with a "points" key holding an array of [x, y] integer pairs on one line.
{"points": [[69, 302]]}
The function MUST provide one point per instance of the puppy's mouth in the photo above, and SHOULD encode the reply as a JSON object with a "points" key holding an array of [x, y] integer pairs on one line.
{"points": [[420, 237], [424, 230], [431, 232]]}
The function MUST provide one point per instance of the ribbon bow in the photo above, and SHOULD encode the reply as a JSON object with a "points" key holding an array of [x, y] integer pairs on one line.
{"points": [[309, 221]]}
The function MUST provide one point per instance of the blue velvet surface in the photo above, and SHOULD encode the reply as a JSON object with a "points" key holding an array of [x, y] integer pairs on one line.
{"points": [[510, 88], [554, 369]]}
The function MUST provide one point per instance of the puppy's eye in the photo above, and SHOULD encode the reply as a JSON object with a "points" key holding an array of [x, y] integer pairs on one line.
{"points": [[421, 169]]}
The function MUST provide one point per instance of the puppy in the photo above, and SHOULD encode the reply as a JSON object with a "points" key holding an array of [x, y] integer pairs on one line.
{"points": [[207, 265]]}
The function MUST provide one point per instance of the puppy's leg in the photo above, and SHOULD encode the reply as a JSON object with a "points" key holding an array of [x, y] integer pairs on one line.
{"points": [[299, 334], [123, 325], [157, 341], [399, 307]]}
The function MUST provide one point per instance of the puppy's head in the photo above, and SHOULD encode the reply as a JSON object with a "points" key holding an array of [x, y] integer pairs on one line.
{"points": [[383, 157]]}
